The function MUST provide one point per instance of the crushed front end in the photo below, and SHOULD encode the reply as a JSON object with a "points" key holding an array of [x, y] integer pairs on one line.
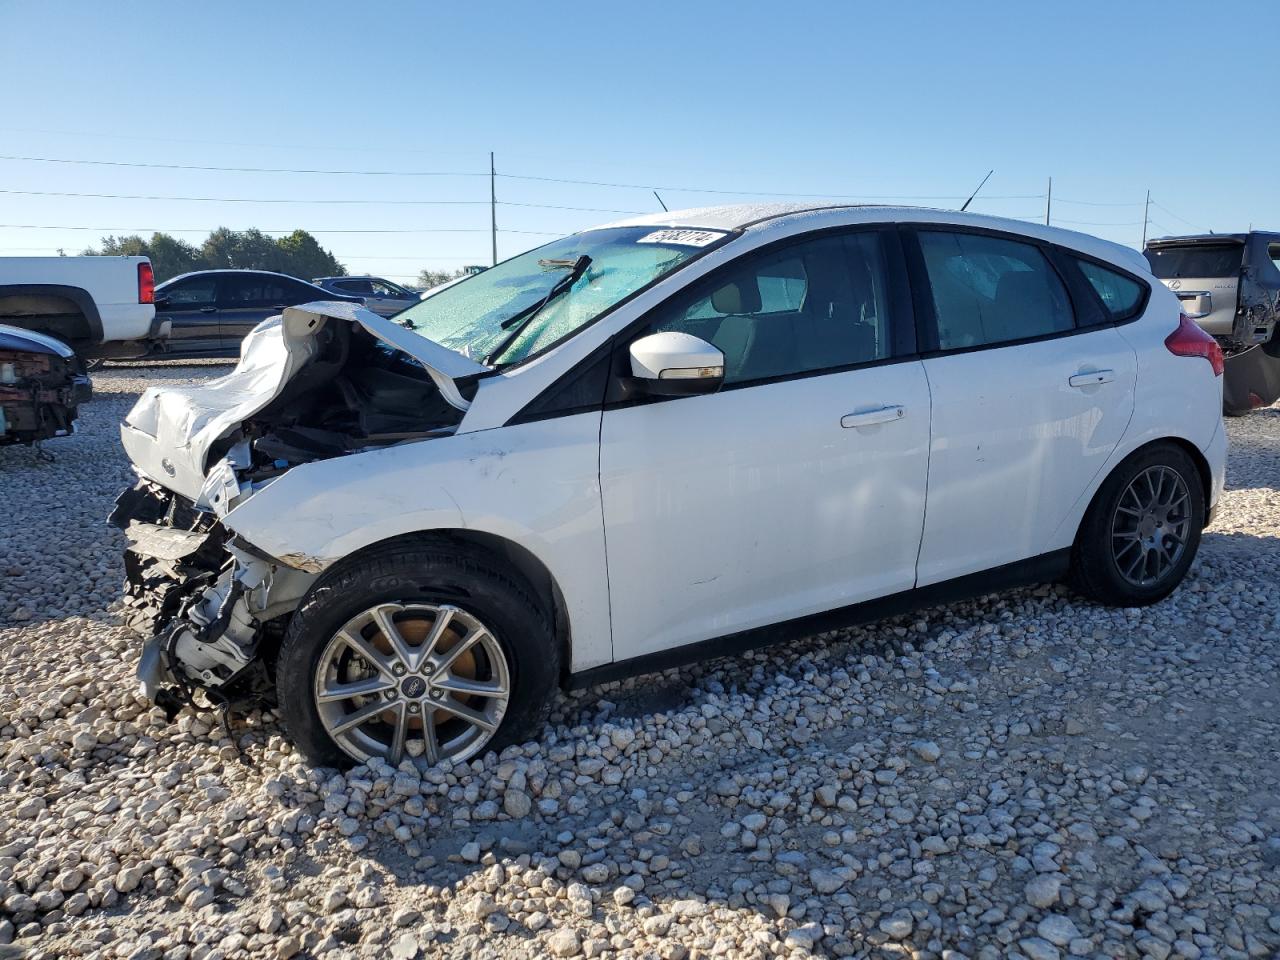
{"points": [[321, 382], [198, 600]]}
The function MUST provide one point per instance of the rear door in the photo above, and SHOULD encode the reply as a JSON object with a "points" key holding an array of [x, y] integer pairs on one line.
{"points": [[1032, 387], [191, 307], [249, 298]]}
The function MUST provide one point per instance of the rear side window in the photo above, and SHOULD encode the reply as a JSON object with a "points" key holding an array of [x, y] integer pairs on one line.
{"points": [[989, 290], [1119, 294], [1202, 260]]}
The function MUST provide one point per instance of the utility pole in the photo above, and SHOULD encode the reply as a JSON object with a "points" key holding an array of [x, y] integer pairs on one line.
{"points": [[1146, 212], [493, 208], [1048, 202]]}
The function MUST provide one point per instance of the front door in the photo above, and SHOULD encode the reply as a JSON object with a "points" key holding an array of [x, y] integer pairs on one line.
{"points": [[799, 487], [191, 307], [1032, 390]]}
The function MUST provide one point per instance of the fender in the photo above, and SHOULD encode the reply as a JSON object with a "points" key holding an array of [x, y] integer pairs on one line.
{"points": [[77, 295]]}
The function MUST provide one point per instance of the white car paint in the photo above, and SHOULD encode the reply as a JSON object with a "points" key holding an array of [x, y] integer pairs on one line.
{"points": [[112, 282], [750, 506], [711, 531], [169, 431], [1014, 443]]}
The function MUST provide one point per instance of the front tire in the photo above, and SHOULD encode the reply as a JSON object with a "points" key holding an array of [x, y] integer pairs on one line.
{"points": [[1142, 530], [419, 648]]}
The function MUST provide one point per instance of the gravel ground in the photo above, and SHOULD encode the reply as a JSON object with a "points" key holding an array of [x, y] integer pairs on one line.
{"points": [[1022, 775]]}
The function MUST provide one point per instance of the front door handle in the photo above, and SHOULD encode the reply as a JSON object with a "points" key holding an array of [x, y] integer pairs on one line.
{"points": [[885, 413], [208, 309], [1092, 378]]}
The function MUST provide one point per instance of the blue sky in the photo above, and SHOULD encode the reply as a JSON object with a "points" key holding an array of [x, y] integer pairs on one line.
{"points": [[856, 100]]}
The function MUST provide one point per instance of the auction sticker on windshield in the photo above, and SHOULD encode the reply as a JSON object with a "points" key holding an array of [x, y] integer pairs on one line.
{"points": [[682, 238]]}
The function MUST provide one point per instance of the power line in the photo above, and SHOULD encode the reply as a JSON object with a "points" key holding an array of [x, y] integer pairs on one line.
{"points": [[131, 230], [326, 200], [508, 176], [184, 166], [1189, 223]]}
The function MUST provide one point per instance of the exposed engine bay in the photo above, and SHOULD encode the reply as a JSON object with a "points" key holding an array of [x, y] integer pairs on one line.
{"points": [[42, 382], [209, 607]]}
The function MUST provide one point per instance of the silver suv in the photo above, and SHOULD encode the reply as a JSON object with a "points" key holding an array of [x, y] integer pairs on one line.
{"points": [[1229, 284], [381, 296]]}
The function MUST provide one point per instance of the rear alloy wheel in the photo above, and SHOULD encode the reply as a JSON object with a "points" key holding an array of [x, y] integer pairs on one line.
{"points": [[429, 681], [420, 649], [1142, 530]]}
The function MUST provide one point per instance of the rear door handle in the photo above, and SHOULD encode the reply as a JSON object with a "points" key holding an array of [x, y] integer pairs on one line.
{"points": [[885, 413], [1092, 378], [208, 309]]}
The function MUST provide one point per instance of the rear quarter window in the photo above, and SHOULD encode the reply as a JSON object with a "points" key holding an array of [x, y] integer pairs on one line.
{"points": [[1121, 296]]}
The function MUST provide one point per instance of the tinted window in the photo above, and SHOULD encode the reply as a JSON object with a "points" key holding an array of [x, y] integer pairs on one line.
{"points": [[1273, 253], [811, 306], [989, 290], [1119, 294], [261, 290], [191, 294], [361, 288], [1209, 260]]}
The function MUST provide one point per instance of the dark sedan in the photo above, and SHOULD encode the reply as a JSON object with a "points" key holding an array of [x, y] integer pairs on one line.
{"points": [[211, 311]]}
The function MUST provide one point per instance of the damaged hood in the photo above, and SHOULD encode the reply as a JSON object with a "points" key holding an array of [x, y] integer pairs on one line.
{"points": [[170, 430]]}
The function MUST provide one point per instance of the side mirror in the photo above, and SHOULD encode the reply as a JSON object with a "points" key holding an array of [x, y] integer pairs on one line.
{"points": [[676, 365]]}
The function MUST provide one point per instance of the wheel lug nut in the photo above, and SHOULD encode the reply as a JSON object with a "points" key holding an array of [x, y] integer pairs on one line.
{"points": [[436, 694], [398, 669], [413, 708]]}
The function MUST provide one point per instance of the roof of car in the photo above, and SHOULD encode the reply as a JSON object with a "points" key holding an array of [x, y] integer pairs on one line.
{"points": [[358, 276], [269, 273], [816, 215]]}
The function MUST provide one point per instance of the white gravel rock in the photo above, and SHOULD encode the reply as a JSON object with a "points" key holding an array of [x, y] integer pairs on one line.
{"points": [[1107, 788]]}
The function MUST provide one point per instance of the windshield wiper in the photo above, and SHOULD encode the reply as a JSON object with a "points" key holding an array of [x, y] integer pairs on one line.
{"points": [[517, 322]]}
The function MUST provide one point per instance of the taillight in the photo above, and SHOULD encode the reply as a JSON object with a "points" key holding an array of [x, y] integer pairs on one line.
{"points": [[146, 283], [1190, 341]]}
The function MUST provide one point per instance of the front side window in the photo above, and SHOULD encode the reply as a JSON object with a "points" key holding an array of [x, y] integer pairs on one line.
{"points": [[1119, 294], [384, 288], [989, 290], [510, 312], [815, 305], [191, 294]]}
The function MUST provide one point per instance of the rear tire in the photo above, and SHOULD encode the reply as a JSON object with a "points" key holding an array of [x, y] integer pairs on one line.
{"points": [[1142, 531], [420, 579]]}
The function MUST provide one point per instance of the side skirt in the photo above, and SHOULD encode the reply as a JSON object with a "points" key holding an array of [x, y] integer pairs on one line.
{"points": [[1045, 568]]}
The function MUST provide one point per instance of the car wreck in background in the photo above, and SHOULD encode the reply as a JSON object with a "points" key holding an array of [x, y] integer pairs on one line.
{"points": [[42, 382], [1229, 284]]}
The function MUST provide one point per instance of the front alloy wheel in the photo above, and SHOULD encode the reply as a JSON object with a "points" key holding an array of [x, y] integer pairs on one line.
{"points": [[418, 650], [418, 679]]}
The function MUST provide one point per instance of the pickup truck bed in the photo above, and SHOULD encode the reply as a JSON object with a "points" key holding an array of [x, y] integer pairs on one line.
{"points": [[100, 306]]}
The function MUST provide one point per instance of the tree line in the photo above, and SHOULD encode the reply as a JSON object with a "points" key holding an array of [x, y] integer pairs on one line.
{"points": [[299, 254]]}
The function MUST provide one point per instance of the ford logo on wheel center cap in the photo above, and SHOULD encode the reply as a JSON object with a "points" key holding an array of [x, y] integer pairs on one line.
{"points": [[413, 687]]}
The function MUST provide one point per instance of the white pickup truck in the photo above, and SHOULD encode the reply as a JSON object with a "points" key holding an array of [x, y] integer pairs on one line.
{"points": [[102, 307]]}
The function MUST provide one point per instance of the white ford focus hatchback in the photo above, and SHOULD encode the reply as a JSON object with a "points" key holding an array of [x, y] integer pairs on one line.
{"points": [[668, 438]]}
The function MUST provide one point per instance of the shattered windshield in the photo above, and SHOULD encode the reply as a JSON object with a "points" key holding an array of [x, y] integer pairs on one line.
{"points": [[508, 312]]}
